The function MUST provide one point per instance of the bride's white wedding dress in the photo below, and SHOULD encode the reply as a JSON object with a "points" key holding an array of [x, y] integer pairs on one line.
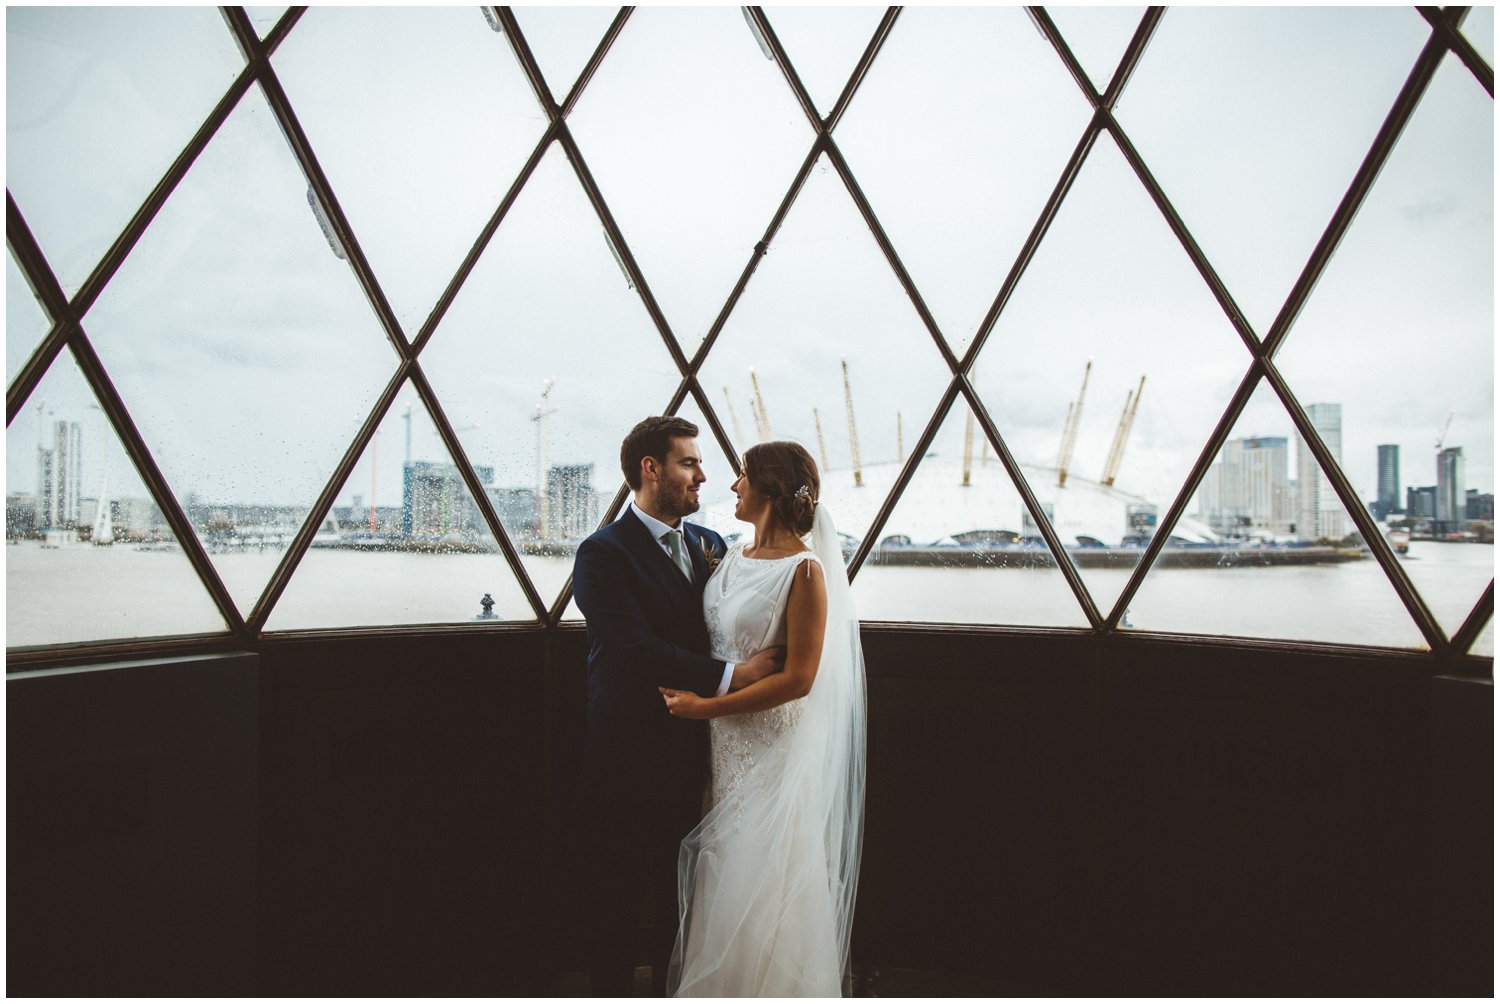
{"points": [[766, 882]]}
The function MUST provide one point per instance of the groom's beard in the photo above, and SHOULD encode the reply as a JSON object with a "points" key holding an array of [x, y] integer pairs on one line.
{"points": [[683, 503]]}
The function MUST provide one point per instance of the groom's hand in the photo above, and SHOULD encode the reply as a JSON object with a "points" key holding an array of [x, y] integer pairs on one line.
{"points": [[759, 666]]}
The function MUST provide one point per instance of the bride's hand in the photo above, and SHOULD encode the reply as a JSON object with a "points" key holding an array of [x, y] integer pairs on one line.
{"points": [[685, 703]]}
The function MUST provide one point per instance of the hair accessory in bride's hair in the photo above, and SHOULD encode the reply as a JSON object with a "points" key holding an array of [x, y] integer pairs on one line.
{"points": [[804, 493]]}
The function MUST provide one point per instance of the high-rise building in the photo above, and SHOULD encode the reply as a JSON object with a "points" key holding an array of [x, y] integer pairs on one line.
{"points": [[58, 472], [1450, 489], [1319, 512], [20, 515], [572, 503], [1479, 506], [517, 509], [1421, 503], [75, 472], [435, 502], [44, 486], [1248, 488], [1388, 480]]}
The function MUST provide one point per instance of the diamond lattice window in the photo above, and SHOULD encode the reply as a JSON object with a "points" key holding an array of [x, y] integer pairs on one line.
{"points": [[1101, 319]]}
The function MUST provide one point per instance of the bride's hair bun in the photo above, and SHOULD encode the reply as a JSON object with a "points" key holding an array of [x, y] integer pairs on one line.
{"points": [[785, 473]]}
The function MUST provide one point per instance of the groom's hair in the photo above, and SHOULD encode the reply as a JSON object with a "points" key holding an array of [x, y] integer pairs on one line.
{"points": [[651, 437]]}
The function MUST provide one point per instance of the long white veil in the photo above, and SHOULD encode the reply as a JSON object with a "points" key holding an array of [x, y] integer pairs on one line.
{"points": [[767, 881], [842, 728]]}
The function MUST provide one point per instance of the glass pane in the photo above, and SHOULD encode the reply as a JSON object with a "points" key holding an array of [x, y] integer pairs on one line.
{"points": [[957, 136], [1255, 161], [91, 558], [25, 320], [553, 359], [405, 542], [563, 39], [1109, 369], [421, 120], [1485, 643], [264, 18], [961, 547], [1097, 37], [1400, 332], [694, 138], [824, 44], [716, 501], [810, 316], [1285, 561], [86, 86], [243, 347], [1450, 575], [1479, 29]]}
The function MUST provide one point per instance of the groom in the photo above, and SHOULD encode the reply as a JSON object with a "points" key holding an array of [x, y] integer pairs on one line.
{"points": [[639, 582]]}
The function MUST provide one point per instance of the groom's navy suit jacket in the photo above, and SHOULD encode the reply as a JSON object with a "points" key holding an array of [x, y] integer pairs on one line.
{"points": [[645, 630], [645, 619], [644, 769]]}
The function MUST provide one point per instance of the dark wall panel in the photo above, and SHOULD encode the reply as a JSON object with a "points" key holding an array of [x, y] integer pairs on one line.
{"points": [[131, 835], [1138, 816], [404, 785], [1261, 817], [1461, 852], [978, 847], [1050, 813]]}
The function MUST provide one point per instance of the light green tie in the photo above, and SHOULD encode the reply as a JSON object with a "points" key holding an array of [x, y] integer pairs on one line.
{"points": [[679, 555]]}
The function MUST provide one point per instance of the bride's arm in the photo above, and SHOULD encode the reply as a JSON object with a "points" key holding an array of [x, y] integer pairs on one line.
{"points": [[806, 611]]}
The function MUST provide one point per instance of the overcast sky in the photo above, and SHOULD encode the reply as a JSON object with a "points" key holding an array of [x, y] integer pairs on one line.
{"points": [[249, 357]]}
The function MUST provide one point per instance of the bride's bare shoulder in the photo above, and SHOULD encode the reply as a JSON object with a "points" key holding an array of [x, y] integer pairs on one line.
{"points": [[810, 564]]}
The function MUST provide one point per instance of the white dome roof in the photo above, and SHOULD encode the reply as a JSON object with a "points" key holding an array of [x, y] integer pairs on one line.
{"points": [[936, 505]]}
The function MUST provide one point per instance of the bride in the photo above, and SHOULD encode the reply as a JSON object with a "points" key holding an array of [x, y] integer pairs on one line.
{"points": [[766, 881]]}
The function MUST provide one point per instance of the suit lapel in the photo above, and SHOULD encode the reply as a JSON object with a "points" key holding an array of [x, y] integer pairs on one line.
{"points": [[655, 560], [694, 539]]}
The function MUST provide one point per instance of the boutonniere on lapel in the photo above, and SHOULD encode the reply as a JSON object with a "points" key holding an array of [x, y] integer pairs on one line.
{"points": [[711, 554]]}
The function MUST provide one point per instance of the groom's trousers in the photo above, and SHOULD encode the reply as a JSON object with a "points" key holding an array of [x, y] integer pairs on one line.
{"points": [[643, 795]]}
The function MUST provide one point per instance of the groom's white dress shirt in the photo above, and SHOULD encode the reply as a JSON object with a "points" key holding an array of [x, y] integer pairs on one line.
{"points": [[659, 532]]}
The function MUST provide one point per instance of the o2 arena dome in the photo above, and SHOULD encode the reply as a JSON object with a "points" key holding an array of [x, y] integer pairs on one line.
{"points": [[938, 508]]}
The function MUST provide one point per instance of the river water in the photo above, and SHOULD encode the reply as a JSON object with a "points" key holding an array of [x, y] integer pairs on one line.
{"points": [[79, 593]]}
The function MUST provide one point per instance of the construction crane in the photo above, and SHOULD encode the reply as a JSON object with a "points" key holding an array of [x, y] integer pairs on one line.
{"points": [[1122, 433], [1070, 428], [374, 470], [1438, 446], [544, 507]]}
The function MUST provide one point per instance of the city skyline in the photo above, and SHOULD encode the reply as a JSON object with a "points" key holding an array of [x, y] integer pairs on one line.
{"points": [[355, 491]]}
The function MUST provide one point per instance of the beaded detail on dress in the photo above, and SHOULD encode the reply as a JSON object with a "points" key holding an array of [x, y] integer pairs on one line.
{"points": [[744, 605]]}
